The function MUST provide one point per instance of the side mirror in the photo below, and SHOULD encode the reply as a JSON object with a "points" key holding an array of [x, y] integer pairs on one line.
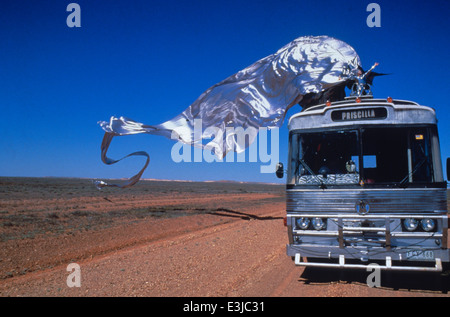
{"points": [[448, 169], [280, 170]]}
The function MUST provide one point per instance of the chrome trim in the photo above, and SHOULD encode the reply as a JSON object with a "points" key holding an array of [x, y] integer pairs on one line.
{"points": [[349, 231], [343, 232], [388, 266], [381, 200], [369, 216], [396, 114]]}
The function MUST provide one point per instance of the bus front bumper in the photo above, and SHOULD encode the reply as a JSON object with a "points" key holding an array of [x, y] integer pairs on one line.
{"points": [[361, 258]]}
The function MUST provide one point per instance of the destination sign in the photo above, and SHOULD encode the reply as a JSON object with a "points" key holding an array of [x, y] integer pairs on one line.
{"points": [[359, 114]]}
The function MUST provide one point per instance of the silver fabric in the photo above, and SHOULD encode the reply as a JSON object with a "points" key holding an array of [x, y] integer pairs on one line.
{"points": [[257, 96]]}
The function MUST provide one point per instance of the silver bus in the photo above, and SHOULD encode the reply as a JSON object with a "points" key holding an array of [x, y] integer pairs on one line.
{"points": [[365, 184]]}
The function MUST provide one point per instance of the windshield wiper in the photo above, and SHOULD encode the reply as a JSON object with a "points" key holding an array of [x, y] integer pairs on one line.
{"points": [[404, 182], [322, 184]]}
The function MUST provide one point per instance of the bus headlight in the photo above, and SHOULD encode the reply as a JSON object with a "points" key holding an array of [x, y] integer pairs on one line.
{"points": [[427, 224], [411, 224], [318, 223], [302, 223]]}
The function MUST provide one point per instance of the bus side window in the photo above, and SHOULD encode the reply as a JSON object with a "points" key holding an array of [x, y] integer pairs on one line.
{"points": [[370, 168], [355, 159]]}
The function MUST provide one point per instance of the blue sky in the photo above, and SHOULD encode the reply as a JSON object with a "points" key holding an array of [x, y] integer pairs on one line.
{"points": [[149, 60]]}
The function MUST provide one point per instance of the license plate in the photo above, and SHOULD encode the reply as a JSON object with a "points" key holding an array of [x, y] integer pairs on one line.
{"points": [[420, 255]]}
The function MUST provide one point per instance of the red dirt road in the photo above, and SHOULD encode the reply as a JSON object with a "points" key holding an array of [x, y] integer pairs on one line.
{"points": [[166, 239]]}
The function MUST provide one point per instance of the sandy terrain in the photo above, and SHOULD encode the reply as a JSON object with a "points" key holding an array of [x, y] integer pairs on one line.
{"points": [[166, 239]]}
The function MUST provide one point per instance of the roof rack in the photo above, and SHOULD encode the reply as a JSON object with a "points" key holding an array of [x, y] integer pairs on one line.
{"points": [[354, 100]]}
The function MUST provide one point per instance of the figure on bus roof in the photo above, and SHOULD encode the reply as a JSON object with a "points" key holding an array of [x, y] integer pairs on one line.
{"points": [[363, 81], [358, 85]]}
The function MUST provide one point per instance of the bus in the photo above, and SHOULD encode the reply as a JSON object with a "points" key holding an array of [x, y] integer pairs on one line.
{"points": [[365, 185]]}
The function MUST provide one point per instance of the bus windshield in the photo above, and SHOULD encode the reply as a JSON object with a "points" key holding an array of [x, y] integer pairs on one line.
{"points": [[363, 156]]}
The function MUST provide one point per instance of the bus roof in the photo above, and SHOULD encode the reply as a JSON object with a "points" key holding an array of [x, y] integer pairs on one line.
{"points": [[362, 111]]}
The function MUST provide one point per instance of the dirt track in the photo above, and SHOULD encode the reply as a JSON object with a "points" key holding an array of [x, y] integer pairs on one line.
{"points": [[165, 239]]}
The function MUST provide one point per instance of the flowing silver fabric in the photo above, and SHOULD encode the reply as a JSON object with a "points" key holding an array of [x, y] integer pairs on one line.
{"points": [[257, 96]]}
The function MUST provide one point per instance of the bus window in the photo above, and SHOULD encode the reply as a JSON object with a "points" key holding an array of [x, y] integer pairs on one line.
{"points": [[387, 149], [325, 158], [420, 167], [396, 155], [374, 155], [370, 161]]}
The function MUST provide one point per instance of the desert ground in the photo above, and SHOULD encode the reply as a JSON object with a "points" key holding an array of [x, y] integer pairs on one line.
{"points": [[167, 239]]}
